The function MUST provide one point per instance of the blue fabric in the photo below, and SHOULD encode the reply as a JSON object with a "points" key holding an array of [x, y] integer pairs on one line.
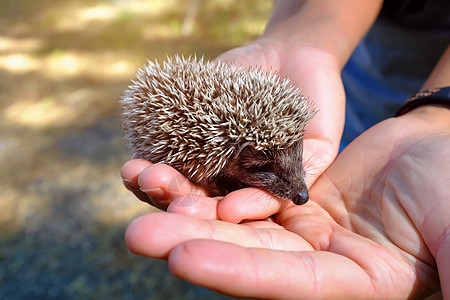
{"points": [[393, 61]]}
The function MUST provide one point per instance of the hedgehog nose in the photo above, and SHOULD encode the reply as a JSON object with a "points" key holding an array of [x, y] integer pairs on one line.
{"points": [[301, 198]]}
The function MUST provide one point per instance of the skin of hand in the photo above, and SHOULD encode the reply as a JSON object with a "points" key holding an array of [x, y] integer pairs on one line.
{"points": [[377, 225]]}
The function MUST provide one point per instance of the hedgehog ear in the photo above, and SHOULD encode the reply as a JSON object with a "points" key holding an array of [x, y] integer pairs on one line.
{"points": [[249, 146]]}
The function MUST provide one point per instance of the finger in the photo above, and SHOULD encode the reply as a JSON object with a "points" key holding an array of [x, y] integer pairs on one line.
{"points": [[192, 205], [326, 193], [264, 273], [130, 172], [138, 193], [131, 169], [155, 234], [320, 80], [315, 159], [250, 204], [163, 184], [311, 222]]}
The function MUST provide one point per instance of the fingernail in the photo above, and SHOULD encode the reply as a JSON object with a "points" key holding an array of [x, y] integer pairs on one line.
{"points": [[156, 192], [130, 183]]}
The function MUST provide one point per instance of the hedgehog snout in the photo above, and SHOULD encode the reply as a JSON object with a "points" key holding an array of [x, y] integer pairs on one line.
{"points": [[294, 190], [301, 197]]}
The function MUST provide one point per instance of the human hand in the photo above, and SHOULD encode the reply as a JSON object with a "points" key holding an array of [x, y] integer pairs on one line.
{"points": [[372, 229]]}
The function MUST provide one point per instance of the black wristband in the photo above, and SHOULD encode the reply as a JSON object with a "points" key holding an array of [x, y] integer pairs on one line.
{"points": [[434, 96]]}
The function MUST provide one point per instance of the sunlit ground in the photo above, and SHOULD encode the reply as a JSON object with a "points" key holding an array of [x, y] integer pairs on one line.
{"points": [[63, 68]]}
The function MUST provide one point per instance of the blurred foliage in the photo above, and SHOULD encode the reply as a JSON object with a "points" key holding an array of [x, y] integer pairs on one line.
{"points": [[63, 209]]}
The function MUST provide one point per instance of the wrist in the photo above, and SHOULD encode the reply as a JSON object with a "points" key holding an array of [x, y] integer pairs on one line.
{"points": [[437, 96], [437, 116]]}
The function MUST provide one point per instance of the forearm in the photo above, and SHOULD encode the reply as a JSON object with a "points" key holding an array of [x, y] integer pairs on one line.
{"points": [[429, 192], [440, 76], [335, 26]]}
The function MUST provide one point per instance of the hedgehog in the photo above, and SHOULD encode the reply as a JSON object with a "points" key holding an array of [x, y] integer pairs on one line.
{"points": [[219, 125]]}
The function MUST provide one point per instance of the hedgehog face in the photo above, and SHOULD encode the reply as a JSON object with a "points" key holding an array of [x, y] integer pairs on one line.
{"points": [[279, 172]]}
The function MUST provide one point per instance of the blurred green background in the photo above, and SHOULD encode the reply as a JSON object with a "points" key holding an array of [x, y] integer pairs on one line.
{"points": [[63, 67]]}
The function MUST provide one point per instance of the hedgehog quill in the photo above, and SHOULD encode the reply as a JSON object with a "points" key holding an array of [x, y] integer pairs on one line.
{"points": [[219, 124]]}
